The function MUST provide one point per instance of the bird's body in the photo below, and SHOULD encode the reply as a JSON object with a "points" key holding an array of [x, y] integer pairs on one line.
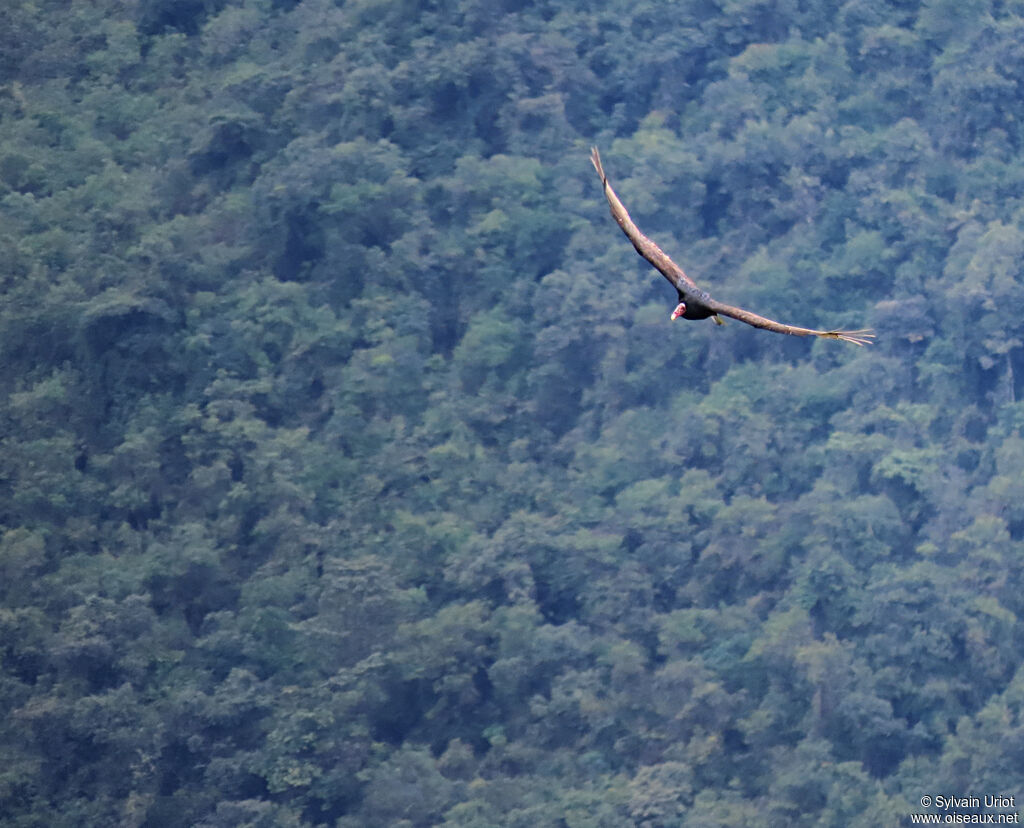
{"points": [[695, 303]]}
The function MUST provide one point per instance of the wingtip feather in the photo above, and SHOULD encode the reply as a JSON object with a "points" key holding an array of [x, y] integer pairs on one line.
{"points": [[858, 338]]}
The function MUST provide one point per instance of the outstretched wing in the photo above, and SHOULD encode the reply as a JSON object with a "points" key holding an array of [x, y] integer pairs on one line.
{"points": [[684, 284], [644, 246], [862, 337]]}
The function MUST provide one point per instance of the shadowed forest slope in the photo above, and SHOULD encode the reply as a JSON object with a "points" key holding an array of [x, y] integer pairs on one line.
{"points": [[352, 473]]}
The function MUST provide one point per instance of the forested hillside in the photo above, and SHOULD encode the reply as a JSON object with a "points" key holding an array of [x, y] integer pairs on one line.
{"points": [[352, 473]]}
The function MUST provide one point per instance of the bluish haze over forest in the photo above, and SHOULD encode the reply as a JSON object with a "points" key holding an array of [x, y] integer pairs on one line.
{"points": [[352, 473]]}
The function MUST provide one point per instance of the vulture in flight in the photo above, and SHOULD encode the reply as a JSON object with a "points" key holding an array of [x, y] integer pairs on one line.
{"points": [[694, 303]]}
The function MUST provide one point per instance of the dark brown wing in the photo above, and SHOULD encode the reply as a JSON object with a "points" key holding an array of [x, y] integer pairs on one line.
{"points": [[644, 246], [684, 284], [862, 337]]}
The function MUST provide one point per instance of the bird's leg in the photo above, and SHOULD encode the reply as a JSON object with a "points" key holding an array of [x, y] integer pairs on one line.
{"points": [[679, 311]]}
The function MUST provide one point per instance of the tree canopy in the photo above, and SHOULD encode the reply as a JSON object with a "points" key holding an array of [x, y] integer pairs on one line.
{"points": [[352, 474]]}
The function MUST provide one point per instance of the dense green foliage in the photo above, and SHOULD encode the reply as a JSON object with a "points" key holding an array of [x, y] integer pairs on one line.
{"points": [[352, 473]]}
